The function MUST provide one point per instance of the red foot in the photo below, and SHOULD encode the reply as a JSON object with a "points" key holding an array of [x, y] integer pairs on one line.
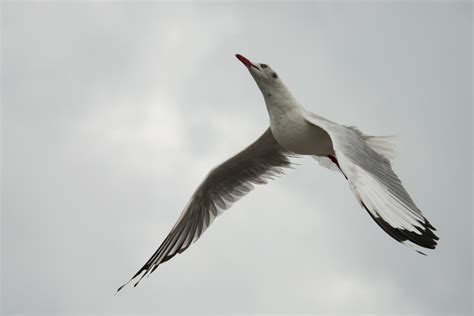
{"points": [[334, 160]]}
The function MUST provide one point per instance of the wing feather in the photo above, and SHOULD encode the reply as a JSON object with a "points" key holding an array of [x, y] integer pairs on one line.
{"points": [[365, 162], [223, 186]]}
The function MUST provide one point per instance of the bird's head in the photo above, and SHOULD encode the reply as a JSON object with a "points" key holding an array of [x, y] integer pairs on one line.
{"points": [[265, 77]]}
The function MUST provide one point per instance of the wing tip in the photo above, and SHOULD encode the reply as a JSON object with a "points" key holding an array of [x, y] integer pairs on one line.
{"points": [[145, 270], [123, 285], [425, 238]]}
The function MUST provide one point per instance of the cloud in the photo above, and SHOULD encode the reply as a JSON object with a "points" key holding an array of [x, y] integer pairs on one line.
{"points": [[113, 114]]}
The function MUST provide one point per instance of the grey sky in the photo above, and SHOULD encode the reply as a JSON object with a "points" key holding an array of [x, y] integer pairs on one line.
{"points": [[113, 113]]}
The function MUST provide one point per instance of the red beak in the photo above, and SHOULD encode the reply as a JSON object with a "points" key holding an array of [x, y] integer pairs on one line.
{"points": [[244, 61]]}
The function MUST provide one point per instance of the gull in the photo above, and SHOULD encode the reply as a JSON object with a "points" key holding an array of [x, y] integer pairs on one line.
{"points": [[365, 162]]}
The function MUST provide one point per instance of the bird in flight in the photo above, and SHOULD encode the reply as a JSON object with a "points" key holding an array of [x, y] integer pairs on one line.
{"points": [[365, 161]]}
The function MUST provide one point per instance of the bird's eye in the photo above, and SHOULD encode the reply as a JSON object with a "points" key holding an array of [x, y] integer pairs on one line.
{"points": [[274, 75], [263, 66]]}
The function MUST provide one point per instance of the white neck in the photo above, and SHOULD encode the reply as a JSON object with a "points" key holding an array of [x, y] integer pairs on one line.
{"points": [[279, 102]]}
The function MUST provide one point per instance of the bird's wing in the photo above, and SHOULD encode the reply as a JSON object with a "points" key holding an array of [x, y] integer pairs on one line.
{"points": [[326, 162], [223, 186], [365, 162]]}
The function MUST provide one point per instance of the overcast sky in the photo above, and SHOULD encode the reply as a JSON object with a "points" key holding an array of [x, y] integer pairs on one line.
{"points": [[113, 114]]}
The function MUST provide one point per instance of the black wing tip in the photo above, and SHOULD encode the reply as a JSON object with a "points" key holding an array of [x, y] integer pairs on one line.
{"points": [[121, 287], [144, 269], [124, 285], [425, 239], [150, 267]]}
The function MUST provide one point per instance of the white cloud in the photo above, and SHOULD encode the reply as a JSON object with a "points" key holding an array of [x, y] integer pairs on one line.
{"points": [[113, 113]]}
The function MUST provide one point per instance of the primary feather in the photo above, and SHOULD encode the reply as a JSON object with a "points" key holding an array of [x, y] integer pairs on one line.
{"points": [[364, 161], [224, 185]]}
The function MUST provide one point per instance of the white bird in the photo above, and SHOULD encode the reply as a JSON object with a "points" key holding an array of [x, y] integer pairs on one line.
{"points": [[365, 161]]}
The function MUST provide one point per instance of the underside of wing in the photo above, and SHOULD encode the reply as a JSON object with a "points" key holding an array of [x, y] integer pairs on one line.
{"points": [[392, 209], [326, 162], [365, 162], [224, 185]]}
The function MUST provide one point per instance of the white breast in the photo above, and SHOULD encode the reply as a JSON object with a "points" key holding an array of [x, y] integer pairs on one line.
{"points": [[292, 131]]}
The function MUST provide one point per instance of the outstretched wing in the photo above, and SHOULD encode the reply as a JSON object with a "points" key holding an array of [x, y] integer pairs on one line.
{"points": [[365, 162], [223, 186]]}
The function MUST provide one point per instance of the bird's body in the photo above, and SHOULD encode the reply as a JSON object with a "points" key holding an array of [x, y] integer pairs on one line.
{"points": [[365, 161], [292, 131]]}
